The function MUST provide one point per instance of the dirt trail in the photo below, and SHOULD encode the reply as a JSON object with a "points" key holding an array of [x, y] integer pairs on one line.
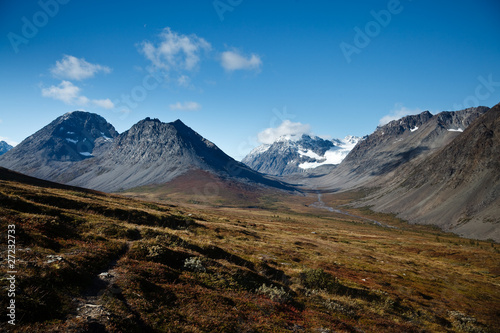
{"points": [[90, 307], [320, 204]]}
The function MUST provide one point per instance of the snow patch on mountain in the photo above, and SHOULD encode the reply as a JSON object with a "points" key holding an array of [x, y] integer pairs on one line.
{"points": [[290, 154], [334, 155]]}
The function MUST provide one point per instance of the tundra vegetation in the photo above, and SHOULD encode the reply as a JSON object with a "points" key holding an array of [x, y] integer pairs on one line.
{"points": [[278, 267]]}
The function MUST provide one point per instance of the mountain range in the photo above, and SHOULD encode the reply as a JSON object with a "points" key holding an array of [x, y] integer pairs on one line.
{"points": [[288, 155], [374, 160], [83, 149], [440, 169]]}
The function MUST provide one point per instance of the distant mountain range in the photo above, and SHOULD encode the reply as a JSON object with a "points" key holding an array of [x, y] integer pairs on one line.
{"points": [[4, 147], [287, 156], [83, 149]]}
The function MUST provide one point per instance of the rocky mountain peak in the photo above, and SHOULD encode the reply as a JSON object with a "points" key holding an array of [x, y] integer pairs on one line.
{"points": [[408, 123]]}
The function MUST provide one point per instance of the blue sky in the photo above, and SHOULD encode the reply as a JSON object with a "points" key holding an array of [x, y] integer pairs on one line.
{"points": [[231, 69]]}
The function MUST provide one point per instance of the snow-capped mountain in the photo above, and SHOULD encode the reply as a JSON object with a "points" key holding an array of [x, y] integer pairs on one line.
{"points": [[4, 147], [291, 155]]}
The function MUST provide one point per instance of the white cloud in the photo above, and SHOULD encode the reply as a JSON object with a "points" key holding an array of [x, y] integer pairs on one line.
{"points": [[68, 93], [73, 68], [104, 103], [175, 51], [288, 129], [398, 112], [186, 106], [232, 60]]}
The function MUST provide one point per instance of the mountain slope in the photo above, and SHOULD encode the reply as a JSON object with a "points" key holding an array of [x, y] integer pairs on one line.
{"points": [[53, 149], [456, 188], [287, 156], [375, 159], [4, 147]]}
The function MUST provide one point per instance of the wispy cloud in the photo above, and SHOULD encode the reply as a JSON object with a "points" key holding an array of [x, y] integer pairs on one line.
{"points": [[186, 106], [234, 60], [398, 112], [70, 94], [104, 103], [73, 68], [175, 51], [287, 129]]}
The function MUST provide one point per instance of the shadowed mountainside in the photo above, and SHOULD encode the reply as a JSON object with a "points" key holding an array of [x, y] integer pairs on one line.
{"points": [[456, 188]]}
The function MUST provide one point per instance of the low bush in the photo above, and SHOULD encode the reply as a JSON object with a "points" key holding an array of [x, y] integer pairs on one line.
{"points": [[318, 279], [274, 293]]}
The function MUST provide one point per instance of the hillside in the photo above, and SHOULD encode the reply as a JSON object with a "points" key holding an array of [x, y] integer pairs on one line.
{"points": [[457, 188], [89, 261]]}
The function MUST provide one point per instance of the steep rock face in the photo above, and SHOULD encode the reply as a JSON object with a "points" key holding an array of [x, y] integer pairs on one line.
{"points": [[457, 187], [4, 147], [69, 138], [288, 156], [374, 160]]}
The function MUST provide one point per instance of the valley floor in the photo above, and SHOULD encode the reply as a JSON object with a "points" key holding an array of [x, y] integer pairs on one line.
{"points": [[88, 261]]}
